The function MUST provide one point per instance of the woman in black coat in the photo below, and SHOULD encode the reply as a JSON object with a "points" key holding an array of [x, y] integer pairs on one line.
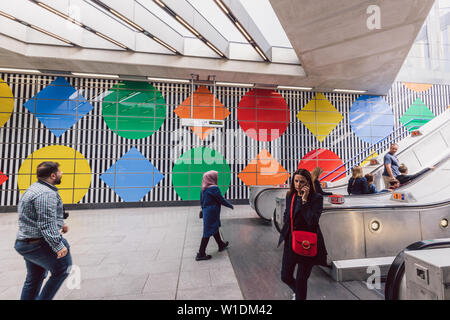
{"points": [[306, 211]]}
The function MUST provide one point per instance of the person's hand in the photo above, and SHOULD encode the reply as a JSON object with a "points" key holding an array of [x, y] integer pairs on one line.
{"points": [[62, 253], [65, 228], [432, 168], [305, 193]]}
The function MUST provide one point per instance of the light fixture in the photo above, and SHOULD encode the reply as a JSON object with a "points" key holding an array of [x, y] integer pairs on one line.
{"points": [[131, 23], [349, 91], [19, 70], [165, 44], [95, 75], [375, 225], [444, 223], [7, 15], [235, 84], [50, 34], [59, 13], [160, 3], [110, 40], [47, 7], [214, 48], [184, 23], [246, 35], [293, 88], [134, 25], [167, 80]]}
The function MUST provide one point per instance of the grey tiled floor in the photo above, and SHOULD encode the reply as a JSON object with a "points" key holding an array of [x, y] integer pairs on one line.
{"points": [[139, 253]]}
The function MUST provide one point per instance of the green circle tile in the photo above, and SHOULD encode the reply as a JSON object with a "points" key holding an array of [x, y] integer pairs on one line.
{"points": [[188, 172], [134, 110]]}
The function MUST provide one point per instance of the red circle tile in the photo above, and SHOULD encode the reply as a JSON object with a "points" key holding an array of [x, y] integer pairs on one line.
{"points": [[326, 159], [263, 114]]}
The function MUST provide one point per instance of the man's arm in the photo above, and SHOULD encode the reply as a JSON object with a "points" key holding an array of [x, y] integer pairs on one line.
{"points": [[389, 170], [45, 205]]}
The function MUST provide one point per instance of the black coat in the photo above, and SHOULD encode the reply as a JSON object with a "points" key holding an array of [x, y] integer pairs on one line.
{"points": [[319, 189], [311, 212], [358, 186]]}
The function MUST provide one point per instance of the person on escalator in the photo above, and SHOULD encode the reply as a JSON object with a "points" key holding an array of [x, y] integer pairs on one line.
{"points": [[315, 174], [404, 177], [372, 187], [357, 183], [211, 200], [393, 184], [390, 165], [305, 205]]}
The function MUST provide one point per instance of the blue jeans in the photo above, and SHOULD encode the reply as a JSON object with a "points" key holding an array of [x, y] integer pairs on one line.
{"points": [[39, 259]]}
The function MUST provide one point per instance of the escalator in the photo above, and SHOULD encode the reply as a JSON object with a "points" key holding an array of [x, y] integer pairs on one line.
{"points": [[432, 147]]}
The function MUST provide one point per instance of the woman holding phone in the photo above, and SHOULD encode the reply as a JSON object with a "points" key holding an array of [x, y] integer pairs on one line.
{"points": [[306, 206]]}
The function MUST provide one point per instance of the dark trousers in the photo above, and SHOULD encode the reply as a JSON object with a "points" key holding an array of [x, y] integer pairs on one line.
{"points": [[204, 243], [300, 284], [39, 259]]}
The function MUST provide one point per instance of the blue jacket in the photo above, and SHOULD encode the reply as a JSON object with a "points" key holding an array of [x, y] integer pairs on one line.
{"points": [[211, 199]]}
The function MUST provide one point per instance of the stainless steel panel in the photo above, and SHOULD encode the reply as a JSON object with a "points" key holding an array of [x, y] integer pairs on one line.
{"points": [[398, 229], [445, 131], [266, 201], [253, 192], [343, 232], [427, 150], [430, 222]]}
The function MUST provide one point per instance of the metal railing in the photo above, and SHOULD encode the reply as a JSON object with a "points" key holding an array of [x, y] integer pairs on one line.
{"points": [[371, 150]]}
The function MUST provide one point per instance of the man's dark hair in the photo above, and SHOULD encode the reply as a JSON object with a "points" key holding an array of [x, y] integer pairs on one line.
{"points": [[45, 169]]}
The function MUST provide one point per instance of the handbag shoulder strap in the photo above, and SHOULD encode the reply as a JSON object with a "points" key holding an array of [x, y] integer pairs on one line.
{"points": [[292, 206]]}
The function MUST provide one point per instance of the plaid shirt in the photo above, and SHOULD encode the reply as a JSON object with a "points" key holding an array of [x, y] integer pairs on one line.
{"points": [[41, 214]]}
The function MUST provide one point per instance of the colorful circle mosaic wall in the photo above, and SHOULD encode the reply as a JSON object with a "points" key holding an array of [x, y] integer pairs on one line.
{"points": [[138, 110]]}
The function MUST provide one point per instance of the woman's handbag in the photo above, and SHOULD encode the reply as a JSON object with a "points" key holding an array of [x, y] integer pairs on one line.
{"points": [[304, 243]]}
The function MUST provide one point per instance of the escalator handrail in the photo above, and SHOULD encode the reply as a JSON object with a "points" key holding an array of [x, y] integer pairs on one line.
{"points": [[397, 268], [256, 202]]}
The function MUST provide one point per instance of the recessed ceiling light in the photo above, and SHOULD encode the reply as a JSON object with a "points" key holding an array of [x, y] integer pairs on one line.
{"points": [[294, 88], [168, 80], [95, 75], [235, 84], [349, 91], [19, 70]]}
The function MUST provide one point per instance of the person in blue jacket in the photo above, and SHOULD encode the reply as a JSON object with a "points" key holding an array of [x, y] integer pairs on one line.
{"points": [[211, 200], [357, 183]]}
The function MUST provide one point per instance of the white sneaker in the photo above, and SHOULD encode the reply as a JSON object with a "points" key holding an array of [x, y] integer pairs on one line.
{"points": [[293, 296]]}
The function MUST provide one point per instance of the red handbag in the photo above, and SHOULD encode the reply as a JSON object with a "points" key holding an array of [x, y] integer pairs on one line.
{"points": [[304, 243]]}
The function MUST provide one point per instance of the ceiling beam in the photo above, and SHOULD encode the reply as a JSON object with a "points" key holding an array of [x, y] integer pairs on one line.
{"points": [[190, 18], [250, 27]]}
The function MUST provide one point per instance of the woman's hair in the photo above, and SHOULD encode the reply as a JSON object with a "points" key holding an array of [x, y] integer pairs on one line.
{"points": [[305, 173], [357, 172], [315, 174], [403, 168], [369, 177]]}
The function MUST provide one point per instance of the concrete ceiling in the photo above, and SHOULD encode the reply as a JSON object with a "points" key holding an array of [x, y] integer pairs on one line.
{"points": [[337, 49], [330, 38]]}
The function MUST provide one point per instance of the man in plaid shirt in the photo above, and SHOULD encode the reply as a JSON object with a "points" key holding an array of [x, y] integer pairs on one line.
{"points": [[39, 239]]}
